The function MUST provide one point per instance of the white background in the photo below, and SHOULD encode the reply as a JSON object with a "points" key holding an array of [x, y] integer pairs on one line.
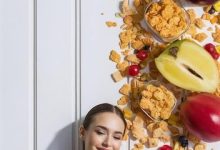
{"points": [[54, 66], [16, 75]]}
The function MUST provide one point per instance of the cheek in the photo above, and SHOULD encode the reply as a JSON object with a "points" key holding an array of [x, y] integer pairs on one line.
{"points": [[117, 145], [91, 140]]}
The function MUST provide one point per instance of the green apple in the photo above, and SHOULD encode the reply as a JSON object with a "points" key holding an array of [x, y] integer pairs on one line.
{"points": [[186, 64]]}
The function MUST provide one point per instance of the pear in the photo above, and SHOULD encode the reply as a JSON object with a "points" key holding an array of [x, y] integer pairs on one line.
{"points": [[187, 65]]}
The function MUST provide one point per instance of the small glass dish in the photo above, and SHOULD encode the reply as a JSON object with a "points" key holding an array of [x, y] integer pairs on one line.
{"points": [[162, 19], [160, 87]]}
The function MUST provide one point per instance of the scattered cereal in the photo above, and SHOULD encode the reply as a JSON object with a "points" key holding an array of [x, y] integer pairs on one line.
{"points": [[209, 29], [114, 56], [216, 35], [137, 128], [152, 142], [200, 37], [199, 23], [206, 16], [125, 89], [127, 113], [122, 66], [126, 9], [192, 15], [199, 146], [123, 100], [177, 146], [132, 58], [214, 20], [111, 24], [117, 76]]}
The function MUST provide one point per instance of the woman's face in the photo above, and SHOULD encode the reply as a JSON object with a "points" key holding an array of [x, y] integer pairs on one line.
{"points": [[104, 133]]}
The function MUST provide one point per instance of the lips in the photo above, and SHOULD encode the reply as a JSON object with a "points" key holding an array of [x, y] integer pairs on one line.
{"points": [[102, 149]]}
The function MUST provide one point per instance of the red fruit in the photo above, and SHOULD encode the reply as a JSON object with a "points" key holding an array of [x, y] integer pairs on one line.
{"points": [[142, 54], [215, 55], [210, 48], [165, 147], [133, 70], [201, 116], [203, 2]]}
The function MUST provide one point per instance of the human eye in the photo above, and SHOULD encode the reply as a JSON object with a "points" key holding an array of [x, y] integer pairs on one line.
{"points": [[117, 137], [100, 131]]}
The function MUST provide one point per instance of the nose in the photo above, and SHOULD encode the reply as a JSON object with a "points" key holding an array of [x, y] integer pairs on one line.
{"points": [[107, 141]]}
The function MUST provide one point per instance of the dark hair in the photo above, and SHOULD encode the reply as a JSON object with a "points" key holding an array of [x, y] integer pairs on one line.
{"points": [[101, 108]]}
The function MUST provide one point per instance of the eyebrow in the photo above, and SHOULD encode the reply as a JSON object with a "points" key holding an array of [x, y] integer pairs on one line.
{"points": [[104, 128]]}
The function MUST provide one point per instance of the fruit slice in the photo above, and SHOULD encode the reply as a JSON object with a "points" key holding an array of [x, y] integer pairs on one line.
{"points": [[217, 6], [188, 65]]}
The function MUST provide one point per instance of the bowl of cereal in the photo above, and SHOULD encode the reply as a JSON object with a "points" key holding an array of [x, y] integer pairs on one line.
{"points": [[166, 19], [157, 102]]}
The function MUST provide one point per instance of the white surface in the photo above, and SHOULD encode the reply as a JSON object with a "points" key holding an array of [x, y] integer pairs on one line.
{"points": [[16, 75], [55, 74], [97, 41]]}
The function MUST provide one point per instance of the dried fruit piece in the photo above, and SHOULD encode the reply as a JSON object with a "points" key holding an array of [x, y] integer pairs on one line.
{"points": [[183, 141], [133, 70], [142, 54], [165, 147], [212, 50], [210, 47], [211, 10]]}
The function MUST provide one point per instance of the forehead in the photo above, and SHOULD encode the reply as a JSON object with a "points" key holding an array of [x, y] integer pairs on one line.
{"points": [[108, 120]]}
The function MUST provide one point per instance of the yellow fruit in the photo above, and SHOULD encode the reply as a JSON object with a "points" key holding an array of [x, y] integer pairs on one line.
{"points": [[217, 6], [188, 65], [217, 49]]}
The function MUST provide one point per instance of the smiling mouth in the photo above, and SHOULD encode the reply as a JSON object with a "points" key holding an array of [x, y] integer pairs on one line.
{"points": [[102, 149]]}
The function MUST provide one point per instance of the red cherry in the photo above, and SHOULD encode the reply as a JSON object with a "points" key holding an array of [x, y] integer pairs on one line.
{"points": [[165, 147], [210, 48], [133, 70], [142, 54], [215, 55]]}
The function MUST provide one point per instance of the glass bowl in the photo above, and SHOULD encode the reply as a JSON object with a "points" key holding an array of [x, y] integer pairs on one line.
{"points": [[166, 21], [166, 97]]}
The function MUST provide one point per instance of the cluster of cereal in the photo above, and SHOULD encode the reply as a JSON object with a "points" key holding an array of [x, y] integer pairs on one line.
{"points": [[157, 101], [167, 18], [148, 134], [133, 34], [198, 23]]}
